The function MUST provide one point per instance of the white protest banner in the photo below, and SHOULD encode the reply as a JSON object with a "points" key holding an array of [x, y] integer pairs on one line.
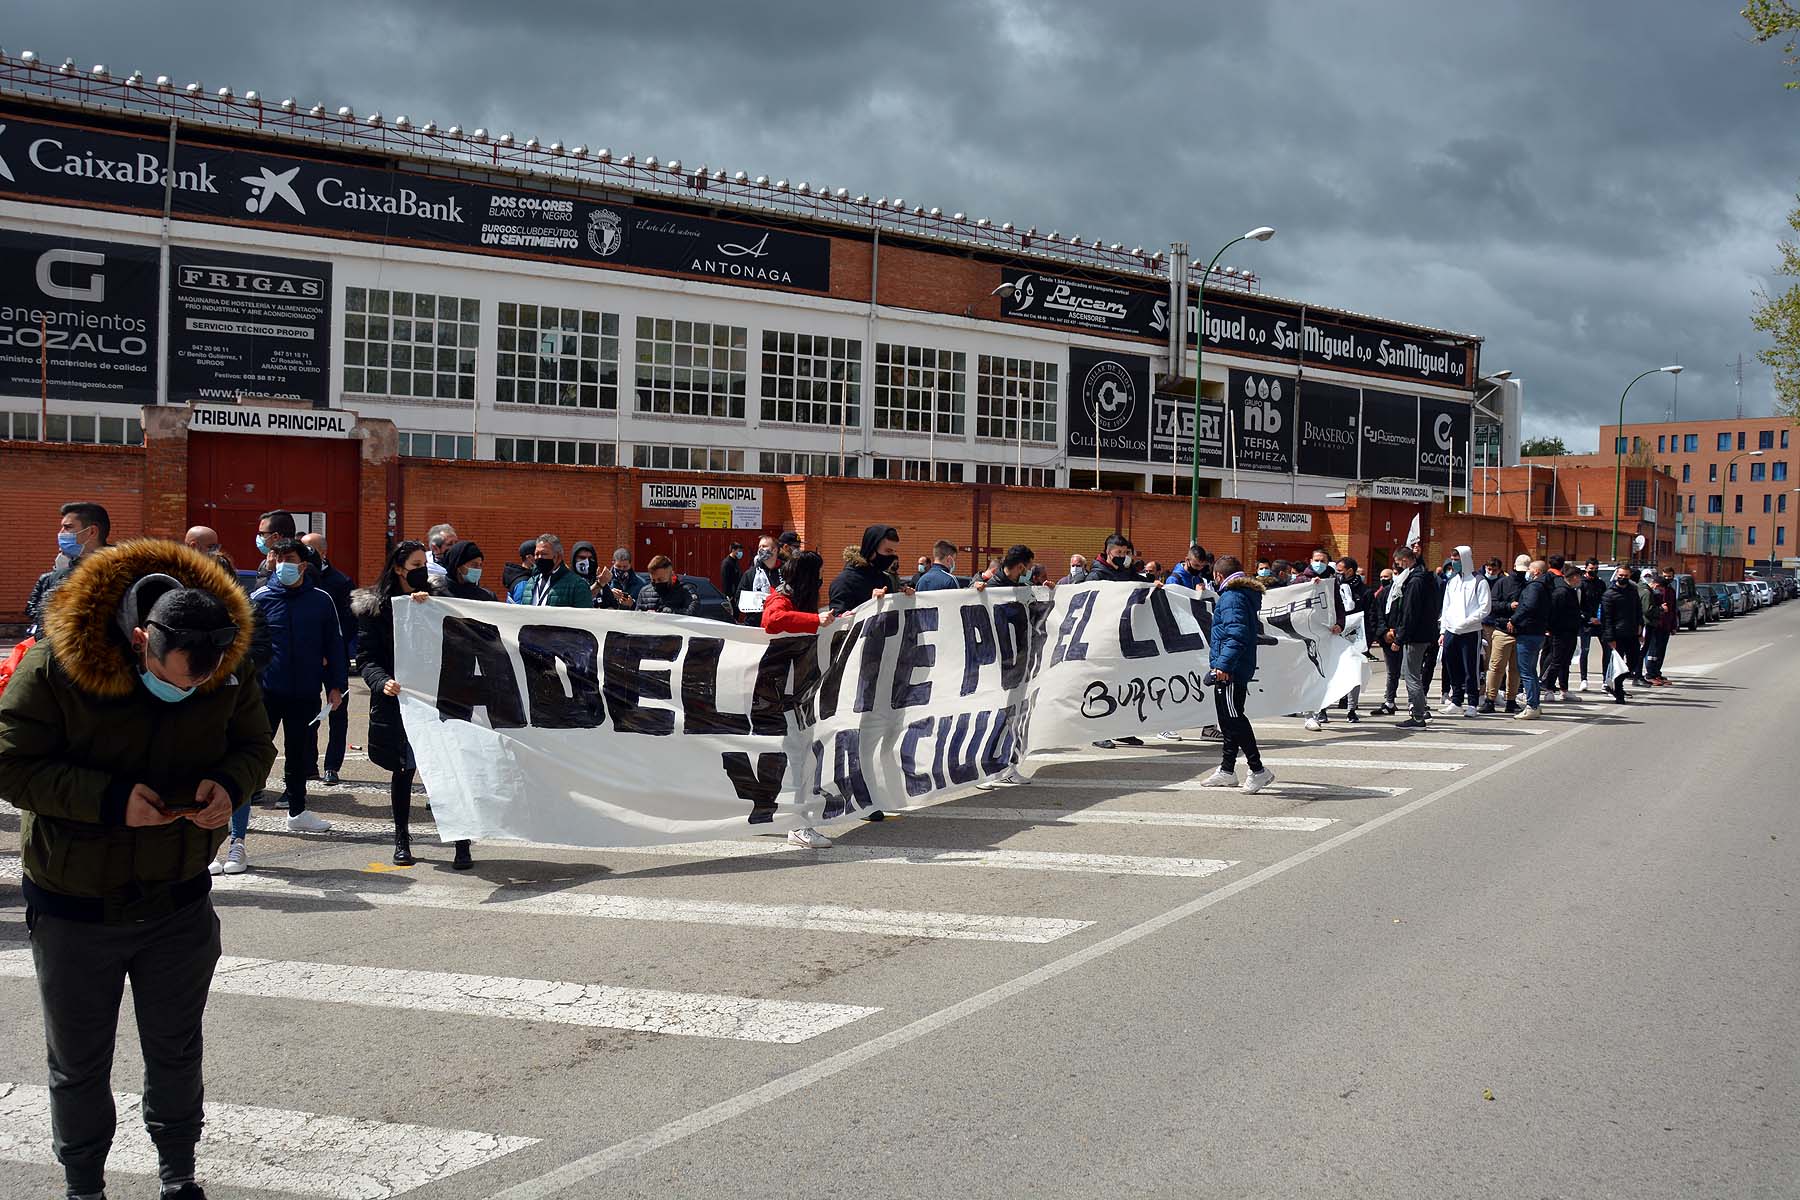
{"points": [[606, 728]]}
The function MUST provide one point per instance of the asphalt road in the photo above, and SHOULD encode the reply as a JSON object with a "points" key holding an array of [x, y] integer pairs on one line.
{"points": [[1501, 959]]}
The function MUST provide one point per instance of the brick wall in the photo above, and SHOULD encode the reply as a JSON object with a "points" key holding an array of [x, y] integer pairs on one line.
{"points": [[36, 480]]}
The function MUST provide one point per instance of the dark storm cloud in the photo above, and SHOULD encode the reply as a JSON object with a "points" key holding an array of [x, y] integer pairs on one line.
{"points": [[1594, 189]]}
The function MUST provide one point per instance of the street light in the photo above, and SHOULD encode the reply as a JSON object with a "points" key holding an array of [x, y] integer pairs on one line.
{"points": [[1725, 499], [1261, 233], [1619, 452]]}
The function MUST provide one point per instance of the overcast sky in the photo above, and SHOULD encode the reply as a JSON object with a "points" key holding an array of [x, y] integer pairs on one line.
{"points": [[1593, 188]]}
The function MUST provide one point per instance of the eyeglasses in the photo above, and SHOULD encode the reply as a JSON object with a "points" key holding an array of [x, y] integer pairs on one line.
{"points": [[182, 638]]}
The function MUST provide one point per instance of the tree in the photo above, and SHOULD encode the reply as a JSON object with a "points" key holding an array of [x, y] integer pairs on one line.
{"points": [[1772, 19], [1778, 316], [1544, 447]]}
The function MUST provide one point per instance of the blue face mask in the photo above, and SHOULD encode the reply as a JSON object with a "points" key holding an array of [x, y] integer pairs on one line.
{"points": [[162, 689], [262, 543], [68, 544], [1265, 573], [473, 575], [1318, 568], [288, 573]]}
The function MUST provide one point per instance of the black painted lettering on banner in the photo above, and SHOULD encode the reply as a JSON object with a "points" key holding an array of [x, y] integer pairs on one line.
{"points": [[475, 671], [850, 790], [761, 786], [700, 691], [916, 654], [1040, 634], [979, 649], [876, 632], [1070, 646], [1175, 639], [628, 683], [965, 746], [831, 682], [553, 706], [1130, 646], [917, 782], [1012, 629], [787, 680]]}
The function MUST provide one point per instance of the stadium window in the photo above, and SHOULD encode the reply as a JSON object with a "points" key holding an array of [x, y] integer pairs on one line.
{"points": [[562, 451], [1724, 441], [811, 379], [784, 462], [1011, 476], [655, 457], [23, 427], [1765, 439], [1015, 399], [562, 357], [691, 368], [75, 427], [916, 469], [436, 445], [410, 344], [920, 389], [1690, 443]]}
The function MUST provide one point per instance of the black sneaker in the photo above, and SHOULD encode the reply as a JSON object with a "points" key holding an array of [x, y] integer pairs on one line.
{"points": [[1128, 741], [1351, 717], [875, 814], [187, 1191], [1487, 705], [462, 861], [1512, 706], [331, 777], [1410, 723]]}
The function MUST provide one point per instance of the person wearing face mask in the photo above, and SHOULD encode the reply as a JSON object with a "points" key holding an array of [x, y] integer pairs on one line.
{"points": [[405, 575], [758, 580], [203, 539], [1231, 665], [1592, 589], [1565, 627], [1014, 570], [731, 570], [337, 585], [665, 593], [463, 570], [584, 560], [1117, 562], [1464, 605], [619, 587], [512, 572], [1378, 631], [1504, 589], [940, 576], [271, 527], [440, 539], [307, 654], [1281, 573], [127, 738], [793, 607], [82, 530], [1413, 609], [1530, 624], [1621, 616], [551, 584], [868, 570]]}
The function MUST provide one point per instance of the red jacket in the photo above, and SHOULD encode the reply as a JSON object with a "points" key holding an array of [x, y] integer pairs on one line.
{"points": [[780, 616]]}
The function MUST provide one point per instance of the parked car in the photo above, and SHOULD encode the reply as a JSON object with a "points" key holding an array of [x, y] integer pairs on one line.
{"points": [[1687, 601], [1739, 597], [1711, 606], [1758, 599], [712, 601]]}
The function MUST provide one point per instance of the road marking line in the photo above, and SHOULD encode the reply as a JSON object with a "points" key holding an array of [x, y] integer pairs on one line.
{"points": [[565, 1179], [272, 1149], [1281, 787], [1362, 764], [1473, 743], [818, 918], [596, 1005], [1010, 860], [1120, 816]]}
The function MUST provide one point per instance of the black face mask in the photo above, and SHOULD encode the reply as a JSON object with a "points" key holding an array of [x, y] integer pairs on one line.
{"points": [[546, 566], [584, 566], [882, 562], [418, 579], [1119, 563]]}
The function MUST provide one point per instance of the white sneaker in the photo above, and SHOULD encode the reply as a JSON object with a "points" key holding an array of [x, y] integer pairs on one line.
{"points": [[236, 861], [215, 867], [1220, 778], [1212, 732], [1259, 780], [1468, 710], [308, 822], [1007, 778], [808, 838], [1582, 686], [1448, 709], [1104, 744], [1169, 735], [1528, 714], [1561, 694], [1312, 725]]}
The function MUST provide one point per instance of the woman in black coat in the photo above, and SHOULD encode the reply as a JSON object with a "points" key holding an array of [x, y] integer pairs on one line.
{"points": [[463, 572], [406, 575]]}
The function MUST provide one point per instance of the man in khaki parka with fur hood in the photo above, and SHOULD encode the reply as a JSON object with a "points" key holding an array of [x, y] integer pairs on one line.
{"points": [[127, 737]]}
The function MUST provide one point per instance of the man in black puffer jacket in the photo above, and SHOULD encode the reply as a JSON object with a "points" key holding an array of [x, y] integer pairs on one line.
{"points": [[868, 569], [1621, 616], [1591, 590], [1412, 628]]}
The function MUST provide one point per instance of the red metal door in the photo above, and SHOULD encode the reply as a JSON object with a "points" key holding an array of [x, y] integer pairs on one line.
{"points": [[693, 550], [234, 478]]}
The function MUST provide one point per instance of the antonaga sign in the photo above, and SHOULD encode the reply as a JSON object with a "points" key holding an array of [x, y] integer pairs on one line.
{"points": [[277, 422]]}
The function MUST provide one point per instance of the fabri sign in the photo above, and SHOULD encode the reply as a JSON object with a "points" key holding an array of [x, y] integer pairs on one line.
{"points": [[271, 422]]}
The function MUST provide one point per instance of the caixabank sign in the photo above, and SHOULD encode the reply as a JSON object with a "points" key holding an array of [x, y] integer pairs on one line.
{"points": [[122, 169]]}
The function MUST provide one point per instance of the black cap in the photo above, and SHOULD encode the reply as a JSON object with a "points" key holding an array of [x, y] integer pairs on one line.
{"points": [[789, 538]]}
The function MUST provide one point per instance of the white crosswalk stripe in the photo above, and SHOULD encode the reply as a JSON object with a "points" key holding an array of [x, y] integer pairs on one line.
{"points": [[1119, 816], [644, 1010], [272, 1149], [1346, 764], [818, 918], [1010, 860], [1281, 787]]}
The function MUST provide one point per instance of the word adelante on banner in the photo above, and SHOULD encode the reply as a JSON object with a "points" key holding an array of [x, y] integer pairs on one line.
{"points": [[125, 169], [554, 725]]}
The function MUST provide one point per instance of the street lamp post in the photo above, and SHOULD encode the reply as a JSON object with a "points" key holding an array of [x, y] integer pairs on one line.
{"points": [[1261, 233], [1619, 452], [1725, 499]]}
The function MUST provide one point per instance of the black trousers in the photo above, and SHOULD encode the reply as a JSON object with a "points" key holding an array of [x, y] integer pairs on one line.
{"points": [[1234, 726], [1633, 655], [1559, 652], [1395, 673], [1461, 651], [1656, 646], [81, 973], [337, 738], [290, 717]]}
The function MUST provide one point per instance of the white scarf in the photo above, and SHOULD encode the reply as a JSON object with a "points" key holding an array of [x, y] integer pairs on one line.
{"points": [[1399, 583]]}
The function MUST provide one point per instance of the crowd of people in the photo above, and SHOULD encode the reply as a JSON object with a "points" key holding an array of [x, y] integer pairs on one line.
{"points": [[138, 722]]}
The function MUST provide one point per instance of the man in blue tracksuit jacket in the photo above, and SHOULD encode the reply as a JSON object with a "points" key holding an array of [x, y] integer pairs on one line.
{"points": [[1232, 655], [306, 654]]}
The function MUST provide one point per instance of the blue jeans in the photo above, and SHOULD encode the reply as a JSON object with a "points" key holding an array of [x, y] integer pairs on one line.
{"points": [[1589, 635], [240, 820], [1531, 645]]}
